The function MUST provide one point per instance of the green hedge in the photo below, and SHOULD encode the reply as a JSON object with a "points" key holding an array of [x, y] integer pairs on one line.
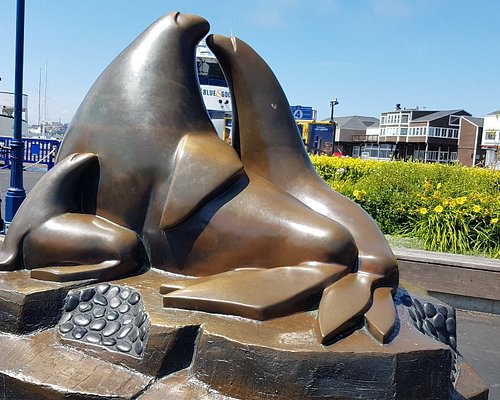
{"points": [[450, 207]]}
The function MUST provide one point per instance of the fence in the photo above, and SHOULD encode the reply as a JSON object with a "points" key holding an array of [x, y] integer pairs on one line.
{"points": [[36, 151]]}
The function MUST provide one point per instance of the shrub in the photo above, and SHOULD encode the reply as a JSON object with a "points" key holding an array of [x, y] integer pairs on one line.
{"points": [[450, 207]]}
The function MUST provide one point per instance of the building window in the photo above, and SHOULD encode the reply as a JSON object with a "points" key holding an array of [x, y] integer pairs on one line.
{"points": [[419, 155], [404, 131], [490, 134], [404, 118], [432, 155], [454, 120]]}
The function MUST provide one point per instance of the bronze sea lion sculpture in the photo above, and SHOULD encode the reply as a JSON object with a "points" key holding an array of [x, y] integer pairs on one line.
{"points": [[142, 180]]}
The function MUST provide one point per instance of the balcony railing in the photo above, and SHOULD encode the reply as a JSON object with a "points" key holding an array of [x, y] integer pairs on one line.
{"points": [[365, 138]]}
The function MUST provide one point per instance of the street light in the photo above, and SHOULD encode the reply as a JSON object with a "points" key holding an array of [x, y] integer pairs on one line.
{"points": [[15, 194], [333, 103]]}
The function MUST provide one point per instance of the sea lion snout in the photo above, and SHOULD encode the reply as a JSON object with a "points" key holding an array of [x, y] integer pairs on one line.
{"points": [[191, 25]]}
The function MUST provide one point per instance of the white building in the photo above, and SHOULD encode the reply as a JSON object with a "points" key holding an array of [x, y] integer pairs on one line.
{"points": [[491, 139], [7, 114]]}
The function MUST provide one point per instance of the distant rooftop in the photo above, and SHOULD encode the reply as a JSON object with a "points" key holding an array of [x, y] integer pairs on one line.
{"points": [[354, 122], [436, 115], [475, 120], [494, 112]]}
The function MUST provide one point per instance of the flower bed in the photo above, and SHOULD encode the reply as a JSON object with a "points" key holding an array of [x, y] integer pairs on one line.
{"points": [[450, 207]]}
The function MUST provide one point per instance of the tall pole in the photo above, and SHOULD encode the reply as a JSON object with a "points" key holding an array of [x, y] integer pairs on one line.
{"points": [[39, 97], [333, 103], [44, 103], [15, 193]]}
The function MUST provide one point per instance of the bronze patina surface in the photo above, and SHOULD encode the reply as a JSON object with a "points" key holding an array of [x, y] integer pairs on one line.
{"points": [[186, 268], [143, 180]]}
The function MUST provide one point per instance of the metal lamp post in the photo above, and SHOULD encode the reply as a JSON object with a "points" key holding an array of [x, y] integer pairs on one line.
{"points": [[333, 103], [15, 193]]}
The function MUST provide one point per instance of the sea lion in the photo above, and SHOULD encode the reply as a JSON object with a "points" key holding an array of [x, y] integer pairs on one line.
{"points": [[266, 137], [54, 213]]}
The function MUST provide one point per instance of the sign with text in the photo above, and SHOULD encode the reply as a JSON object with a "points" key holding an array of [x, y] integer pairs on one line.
{"points": [[320, 139], [302, 112]]}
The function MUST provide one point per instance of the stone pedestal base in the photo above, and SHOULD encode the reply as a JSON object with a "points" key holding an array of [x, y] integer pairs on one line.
{"points": [[195, 355]]}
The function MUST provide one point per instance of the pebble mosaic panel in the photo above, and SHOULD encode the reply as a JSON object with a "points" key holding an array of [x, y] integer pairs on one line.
{"points": [[439, 322], [106, 315]]}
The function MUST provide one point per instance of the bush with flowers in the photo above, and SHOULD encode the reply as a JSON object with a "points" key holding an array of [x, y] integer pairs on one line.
{"points": [[450, 207]]}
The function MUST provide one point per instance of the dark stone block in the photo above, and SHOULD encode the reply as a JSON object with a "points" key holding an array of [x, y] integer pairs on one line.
{"points": [[27, 304]]}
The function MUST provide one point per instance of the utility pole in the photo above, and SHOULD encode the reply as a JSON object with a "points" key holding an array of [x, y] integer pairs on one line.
{"points": [[15, 193]]}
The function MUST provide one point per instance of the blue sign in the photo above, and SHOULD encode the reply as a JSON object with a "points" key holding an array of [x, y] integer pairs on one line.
{"points": [[320, 139], [302, 112]]}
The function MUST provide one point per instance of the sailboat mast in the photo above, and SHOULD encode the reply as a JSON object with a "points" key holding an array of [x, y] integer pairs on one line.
{"points": [[45, 102], [39, 96]]}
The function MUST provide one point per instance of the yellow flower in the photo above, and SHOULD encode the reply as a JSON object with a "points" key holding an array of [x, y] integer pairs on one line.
{"points": [[445, 202], [422, 210], [427, 185], [453, 204], [494, 221], [439, 185], [436, 194], [476, 208], [358, 194], [438, 209], [461, 200]]}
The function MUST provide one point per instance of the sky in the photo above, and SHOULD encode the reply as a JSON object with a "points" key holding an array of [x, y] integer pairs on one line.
{"points": [[369, 54]]}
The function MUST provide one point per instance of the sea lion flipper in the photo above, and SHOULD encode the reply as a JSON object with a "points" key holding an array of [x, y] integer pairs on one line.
{"points": [[75, 272], [201, 171], [257, 294], [347, 303], [381, 317], [179, 284], [63, 249]]}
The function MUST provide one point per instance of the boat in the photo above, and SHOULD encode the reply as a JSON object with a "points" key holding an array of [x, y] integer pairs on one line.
{"points": [[214, 90]]}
